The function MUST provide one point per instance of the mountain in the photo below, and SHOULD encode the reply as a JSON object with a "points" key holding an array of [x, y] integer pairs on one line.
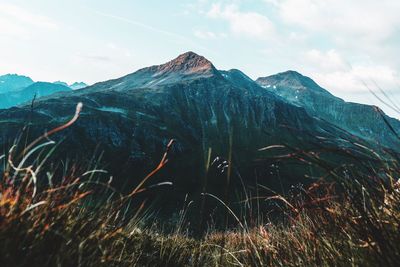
{"points": [[78, 85], [365, 121], [188, 66], [73, 86], [13, 82], [238, 78], [131, 119], [16, 89], [61, 83], [38, 89]]}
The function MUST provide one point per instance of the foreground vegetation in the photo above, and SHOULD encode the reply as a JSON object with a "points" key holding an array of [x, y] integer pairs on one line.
{"points": [[50, 218]]}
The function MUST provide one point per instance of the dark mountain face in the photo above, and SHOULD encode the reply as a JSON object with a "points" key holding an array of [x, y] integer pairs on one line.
{"points": [[293, 80], [13, 82], [242, 80], [187, 99], [362, 120], [38, 89]]}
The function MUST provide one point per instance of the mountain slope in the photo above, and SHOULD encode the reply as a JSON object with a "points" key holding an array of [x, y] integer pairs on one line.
{"points": [[61, 83], [78, 85], [13, 82], [187, 66], [38, 89], [187, 99], [362, 120], [73, 86], [240, 79]]}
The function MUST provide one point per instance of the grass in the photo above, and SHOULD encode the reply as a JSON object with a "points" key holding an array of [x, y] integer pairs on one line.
{"points": [[52, 218]]}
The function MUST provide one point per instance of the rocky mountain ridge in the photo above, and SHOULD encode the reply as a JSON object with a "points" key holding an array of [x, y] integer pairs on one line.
{"points": [[365, 121], [131, 119]]}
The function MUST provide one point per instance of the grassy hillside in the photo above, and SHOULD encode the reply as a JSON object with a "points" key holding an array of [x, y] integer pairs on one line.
{"points": [[65, 215]]}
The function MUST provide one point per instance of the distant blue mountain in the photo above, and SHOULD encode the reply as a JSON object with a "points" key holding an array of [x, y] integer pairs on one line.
{"points": [[35, 90], [18, 89], [61, 83], [78, 85], [73, 86], [13, 82]]}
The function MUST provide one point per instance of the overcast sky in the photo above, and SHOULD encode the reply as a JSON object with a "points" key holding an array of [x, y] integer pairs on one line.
{"points": [[347, 46]]}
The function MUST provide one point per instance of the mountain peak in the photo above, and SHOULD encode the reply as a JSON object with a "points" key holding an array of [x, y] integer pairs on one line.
{"points": [[187, 63], [13, 82], [61, 83], [236, 76], [291, 79], [186, 67], [14, 76], [290, 75], [78, 85]]}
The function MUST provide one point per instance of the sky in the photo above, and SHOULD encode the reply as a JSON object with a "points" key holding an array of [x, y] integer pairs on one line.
{"points": [[349, 47]]}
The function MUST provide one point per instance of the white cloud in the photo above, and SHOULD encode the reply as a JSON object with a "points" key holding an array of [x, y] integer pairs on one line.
{"points": [[207, 35], [176, 36], [272, 2], [10, 28], [331, 71], [360, 36], [366, 19], [17, 21], [329, 61], [250, 24], [358, 79], [297, 37]]}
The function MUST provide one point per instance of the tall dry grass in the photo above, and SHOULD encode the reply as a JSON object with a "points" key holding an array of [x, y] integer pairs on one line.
{"points": [[47, 220]]}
